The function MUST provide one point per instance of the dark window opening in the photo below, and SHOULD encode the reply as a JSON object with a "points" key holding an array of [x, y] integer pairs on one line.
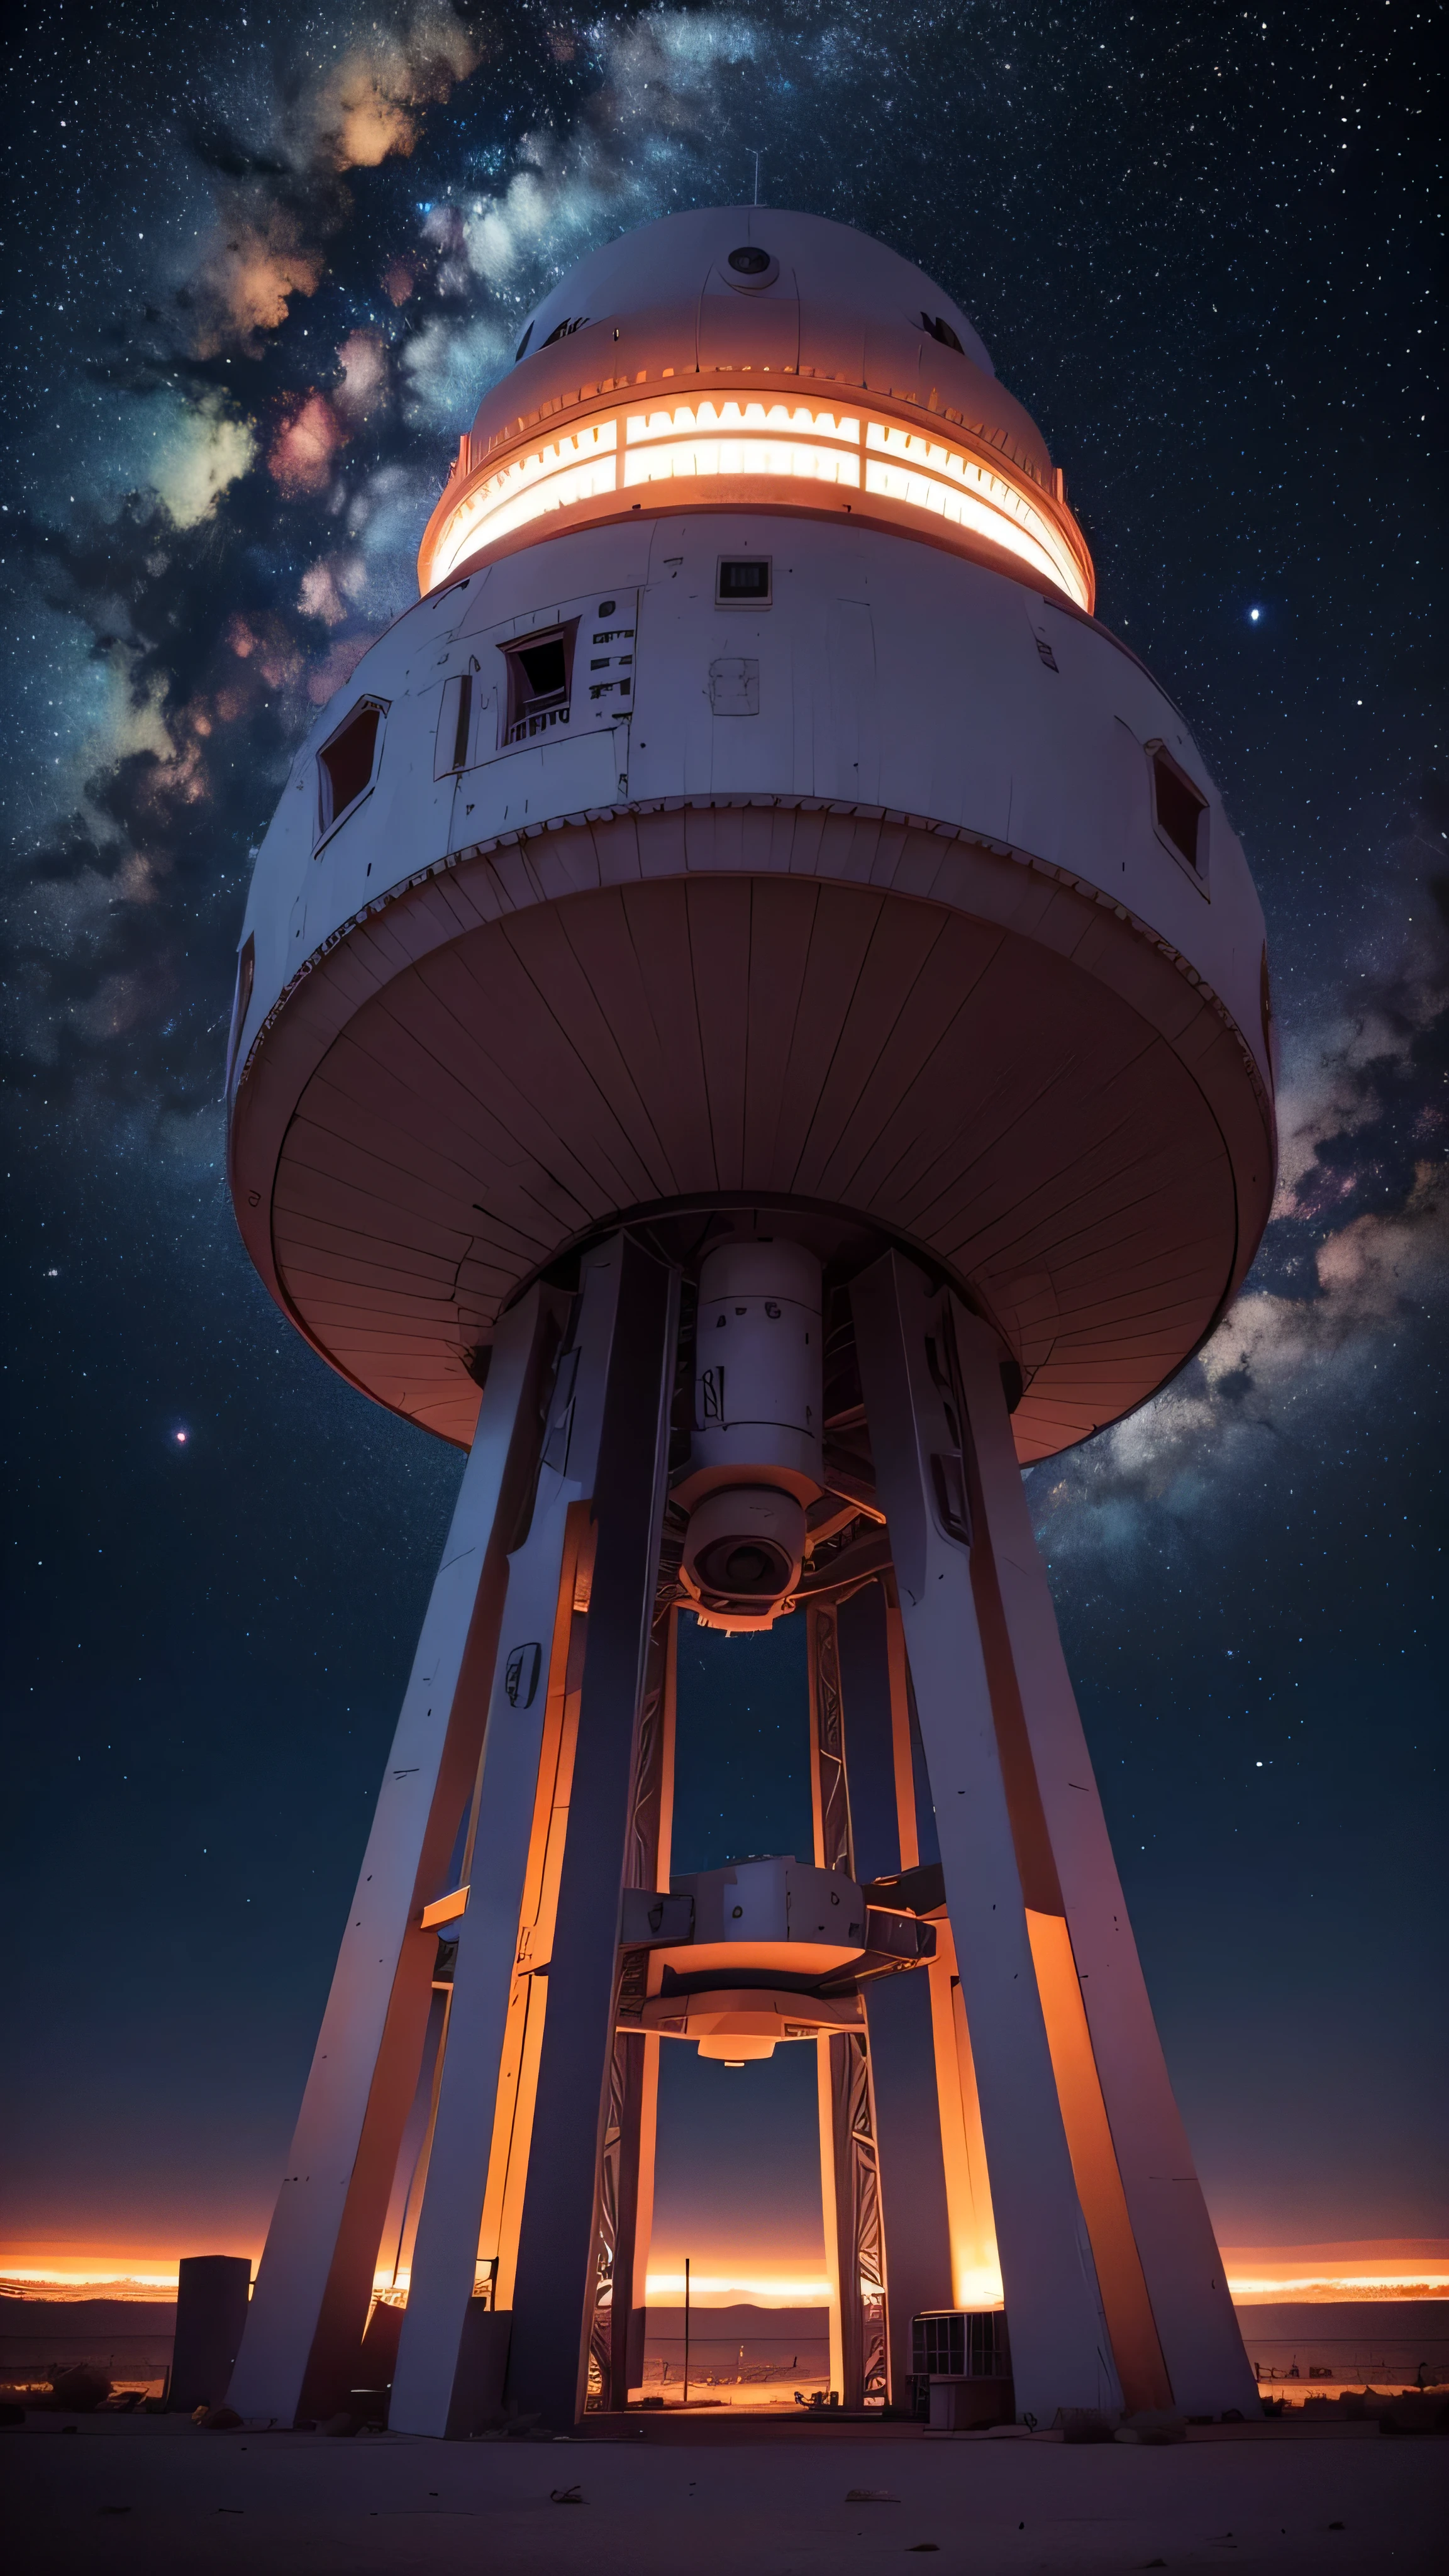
{"points": [[744, 582], [940, 329], [1180, 809], [1046, 654], [344, 768], [545, 673], [749, 260], [465, 712], [539, 674], [565, 330]]}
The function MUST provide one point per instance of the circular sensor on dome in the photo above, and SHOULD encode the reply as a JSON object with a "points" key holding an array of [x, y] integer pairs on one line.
{"points": [[752, 266]]}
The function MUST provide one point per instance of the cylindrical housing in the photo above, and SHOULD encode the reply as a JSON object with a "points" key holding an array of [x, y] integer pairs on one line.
{"points": [[743, 1552], [757, 1368], [753, 812]]}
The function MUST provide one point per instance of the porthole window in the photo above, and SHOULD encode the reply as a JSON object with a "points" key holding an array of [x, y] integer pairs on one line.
{"points": [[347, 765], [1179, 810], [743, 581]]}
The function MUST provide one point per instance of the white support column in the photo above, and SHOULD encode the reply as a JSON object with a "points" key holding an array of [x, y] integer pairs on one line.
{"points": [[534, 1617], [310, 2305], [554, 2285], [1061, 2354], [1202, 2346]]}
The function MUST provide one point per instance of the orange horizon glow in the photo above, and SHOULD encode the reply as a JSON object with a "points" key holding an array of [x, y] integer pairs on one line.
{"points": [[1355, 2269]]}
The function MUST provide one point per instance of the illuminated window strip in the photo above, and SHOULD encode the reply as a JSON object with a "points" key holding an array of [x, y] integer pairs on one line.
{"points": [[571, 469], [963, 510], [730, 415], [682, 458], [917, 472], [994, 497]]}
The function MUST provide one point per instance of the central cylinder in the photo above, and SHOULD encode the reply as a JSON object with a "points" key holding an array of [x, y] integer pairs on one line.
{"points": [[757, 1369], [755, 1451]]}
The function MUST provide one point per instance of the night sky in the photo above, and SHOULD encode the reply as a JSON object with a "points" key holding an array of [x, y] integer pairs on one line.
{"points": [[261, 267]]}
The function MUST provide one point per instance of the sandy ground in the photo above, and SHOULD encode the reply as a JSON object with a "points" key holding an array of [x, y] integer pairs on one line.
{"points": [[159, 2498]]}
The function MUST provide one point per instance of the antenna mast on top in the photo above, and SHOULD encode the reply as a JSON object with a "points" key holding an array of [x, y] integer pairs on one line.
{"points": [[756, 158]]}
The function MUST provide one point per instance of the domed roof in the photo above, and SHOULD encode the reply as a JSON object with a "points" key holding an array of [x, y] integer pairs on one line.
{"points": [[809, 257], [752, 287]]}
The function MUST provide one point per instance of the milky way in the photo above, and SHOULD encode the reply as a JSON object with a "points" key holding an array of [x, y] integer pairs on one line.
{"points": [[261, 268]]}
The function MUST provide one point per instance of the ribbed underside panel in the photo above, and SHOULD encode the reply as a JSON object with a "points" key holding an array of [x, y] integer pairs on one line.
{"points": [[944, 1077]]}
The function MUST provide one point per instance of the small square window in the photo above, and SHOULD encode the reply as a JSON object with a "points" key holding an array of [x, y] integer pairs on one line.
{"points": [[1178, 810], [744, 581], [346, 765], [540, 679]]}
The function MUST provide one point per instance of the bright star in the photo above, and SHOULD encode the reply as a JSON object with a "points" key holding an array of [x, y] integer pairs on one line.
{"points": [[1253, 616]]}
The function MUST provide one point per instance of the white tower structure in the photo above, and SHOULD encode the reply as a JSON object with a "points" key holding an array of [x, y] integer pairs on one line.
{"points": [[753, 1022]]}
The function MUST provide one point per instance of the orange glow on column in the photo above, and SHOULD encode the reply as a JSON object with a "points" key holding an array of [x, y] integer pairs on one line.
{"points": [[1130, 2322], [830, 2211], [527, 2003], [975, 2263], [905, 1770]]}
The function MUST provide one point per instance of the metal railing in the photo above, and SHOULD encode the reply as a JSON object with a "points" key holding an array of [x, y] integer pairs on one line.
{"points": [[543, 720]]}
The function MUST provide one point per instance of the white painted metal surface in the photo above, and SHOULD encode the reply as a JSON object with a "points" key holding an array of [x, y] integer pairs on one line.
{"points": [[1202, 2344], [1061, 2352], [383, 1950], [447, 2238], [757, 1368]]}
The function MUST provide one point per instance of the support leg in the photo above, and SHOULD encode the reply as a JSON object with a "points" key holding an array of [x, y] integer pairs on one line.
{"points": [[854, 2238], [626, 2174], [529, 1679], [309, 2309], [553, 2292], [912, 2167], [849, 2154], [1157, 2249], [1061, 2352]]}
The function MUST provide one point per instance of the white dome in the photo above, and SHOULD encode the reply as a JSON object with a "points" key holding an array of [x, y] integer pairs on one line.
{"points": [[814, 259]]}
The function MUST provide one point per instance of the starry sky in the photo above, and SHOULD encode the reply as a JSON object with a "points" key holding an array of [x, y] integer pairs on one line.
{"points": [[261, 266]]}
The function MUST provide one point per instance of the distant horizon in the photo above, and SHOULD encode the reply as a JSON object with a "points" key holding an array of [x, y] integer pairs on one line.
{"points": [[1365, 2268]]}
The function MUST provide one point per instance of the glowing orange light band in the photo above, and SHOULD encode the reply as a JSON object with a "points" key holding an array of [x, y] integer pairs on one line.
{"points": [[711, 438]]}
